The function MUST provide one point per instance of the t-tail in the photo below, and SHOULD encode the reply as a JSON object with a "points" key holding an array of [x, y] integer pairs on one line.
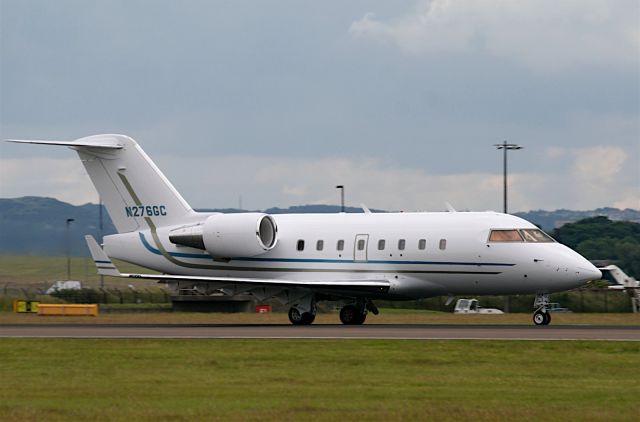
{"points": [[134, 191]]}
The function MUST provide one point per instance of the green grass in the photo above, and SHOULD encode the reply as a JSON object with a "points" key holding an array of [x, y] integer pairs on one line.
{"points": [[44, 270], [145, 314], [317, 380]]}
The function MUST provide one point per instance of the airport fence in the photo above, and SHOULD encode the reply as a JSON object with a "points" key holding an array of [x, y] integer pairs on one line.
{"points": [[123, 296], [590, 300]]}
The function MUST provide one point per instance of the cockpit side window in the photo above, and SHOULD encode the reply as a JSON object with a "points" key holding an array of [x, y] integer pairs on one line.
{"points": [[505, 236], [536, 236]]}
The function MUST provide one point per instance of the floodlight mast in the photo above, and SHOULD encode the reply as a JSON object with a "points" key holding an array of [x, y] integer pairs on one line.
{"points": [[68, 239], [505, 147], [341, 187]]}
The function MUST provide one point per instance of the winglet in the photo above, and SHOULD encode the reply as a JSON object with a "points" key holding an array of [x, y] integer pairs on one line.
{"points": [[365, 209], [450, 207], [103, 263]]}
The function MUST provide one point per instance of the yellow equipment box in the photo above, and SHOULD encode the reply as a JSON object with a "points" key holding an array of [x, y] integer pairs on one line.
{"points": [[67, 310], [25, 306]]}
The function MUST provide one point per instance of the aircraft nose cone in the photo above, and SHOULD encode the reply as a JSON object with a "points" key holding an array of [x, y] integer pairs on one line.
{"points": [[588, 273]]}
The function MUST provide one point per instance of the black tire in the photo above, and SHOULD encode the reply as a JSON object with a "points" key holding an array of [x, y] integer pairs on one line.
{"points": [[349, 315], [547, 318], [360, 319], [540, 318], [308, 318], [301, 318]]}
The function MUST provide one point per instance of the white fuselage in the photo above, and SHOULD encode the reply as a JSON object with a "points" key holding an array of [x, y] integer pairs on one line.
{"points": [[444, 253]]}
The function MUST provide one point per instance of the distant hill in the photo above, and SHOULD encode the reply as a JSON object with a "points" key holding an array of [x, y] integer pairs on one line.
{"points": [[36, 225], [550, 220]]}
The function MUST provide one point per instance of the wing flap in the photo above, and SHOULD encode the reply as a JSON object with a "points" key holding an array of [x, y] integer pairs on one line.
{"points": [[325, 284]]}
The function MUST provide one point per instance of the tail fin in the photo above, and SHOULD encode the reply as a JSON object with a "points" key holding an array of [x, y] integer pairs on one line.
{"points": [[134, 191]]}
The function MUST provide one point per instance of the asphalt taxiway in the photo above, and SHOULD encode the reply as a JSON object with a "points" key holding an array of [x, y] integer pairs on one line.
{"points": [[367, 331]]}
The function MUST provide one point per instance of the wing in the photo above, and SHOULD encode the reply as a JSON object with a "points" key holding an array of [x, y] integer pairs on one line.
{"points": [[105, 267]]}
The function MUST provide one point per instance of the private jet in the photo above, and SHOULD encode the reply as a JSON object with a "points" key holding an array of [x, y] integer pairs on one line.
{"points": [[299, 260]]}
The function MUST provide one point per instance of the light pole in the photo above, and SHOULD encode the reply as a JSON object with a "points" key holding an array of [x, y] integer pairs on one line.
{"points": [[101, 225], [69, 220], [341, 187], [505, 147]]}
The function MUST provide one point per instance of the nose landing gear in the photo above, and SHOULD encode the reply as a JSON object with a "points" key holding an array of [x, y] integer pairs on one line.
{"points": [[541, 316]]}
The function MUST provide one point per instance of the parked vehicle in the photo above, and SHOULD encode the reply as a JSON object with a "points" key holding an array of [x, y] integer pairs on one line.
{"points": [[556, 307], [471, 306], [64, 285]]}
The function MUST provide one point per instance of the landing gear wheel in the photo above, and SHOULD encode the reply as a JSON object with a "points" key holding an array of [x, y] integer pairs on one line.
{"points": [[541, 318], [301, 318], [349, 315], [361, 318]]}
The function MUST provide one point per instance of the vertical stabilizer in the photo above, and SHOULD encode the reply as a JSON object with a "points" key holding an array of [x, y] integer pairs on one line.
{"points": [[134, 191]]}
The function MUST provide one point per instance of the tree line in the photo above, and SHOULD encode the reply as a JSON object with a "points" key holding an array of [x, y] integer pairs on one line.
{"points": [[599, 238]]}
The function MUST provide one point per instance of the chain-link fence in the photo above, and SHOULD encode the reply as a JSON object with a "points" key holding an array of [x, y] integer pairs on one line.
{"points": [[579, 300], [118, 295]]}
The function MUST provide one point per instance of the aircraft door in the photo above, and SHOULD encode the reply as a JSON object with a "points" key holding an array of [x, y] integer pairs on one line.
{"points": [[360, 248]]}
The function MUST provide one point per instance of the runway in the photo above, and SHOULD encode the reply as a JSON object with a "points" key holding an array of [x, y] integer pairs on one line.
{"points": [[371, 331]]}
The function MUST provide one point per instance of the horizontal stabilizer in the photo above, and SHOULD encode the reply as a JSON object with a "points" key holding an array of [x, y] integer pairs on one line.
{"points": [[68, 143], [103, 263]]}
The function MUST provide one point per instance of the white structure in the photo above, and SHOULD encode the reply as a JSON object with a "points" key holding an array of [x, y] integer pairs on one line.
{"points": [[471, 306], [624, 282]]}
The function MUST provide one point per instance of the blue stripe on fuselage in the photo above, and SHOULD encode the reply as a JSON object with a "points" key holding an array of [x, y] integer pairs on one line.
{"points": [[320, 261]]}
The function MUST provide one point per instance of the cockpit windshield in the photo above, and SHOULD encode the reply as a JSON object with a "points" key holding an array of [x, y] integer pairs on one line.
{"points": [[505, 236], [519, 235], [535, 235]]}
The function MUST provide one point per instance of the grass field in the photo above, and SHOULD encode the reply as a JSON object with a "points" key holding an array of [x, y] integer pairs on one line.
{"points": [[387, 316], [317, 380], [44, 270]]}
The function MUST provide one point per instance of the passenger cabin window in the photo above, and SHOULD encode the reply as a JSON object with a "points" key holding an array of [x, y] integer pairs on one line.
{"points": [[319, 245], [381, 244], [401, 244], [340, 245], [536, 236], [422, 244], [505, 236], [300, 245], [443, 244], [361, 245]]}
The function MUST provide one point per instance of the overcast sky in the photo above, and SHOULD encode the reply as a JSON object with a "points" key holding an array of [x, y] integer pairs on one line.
{"points": [[279, 101]]}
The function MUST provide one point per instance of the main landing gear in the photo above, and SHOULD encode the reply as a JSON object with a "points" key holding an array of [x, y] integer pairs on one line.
{"points": [[356, 313], [301, 318], [541, 316], [303, 312]]}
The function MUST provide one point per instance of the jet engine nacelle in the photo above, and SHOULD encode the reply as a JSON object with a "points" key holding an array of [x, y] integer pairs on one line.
{"points": [[226, 236], [232, 235]]}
